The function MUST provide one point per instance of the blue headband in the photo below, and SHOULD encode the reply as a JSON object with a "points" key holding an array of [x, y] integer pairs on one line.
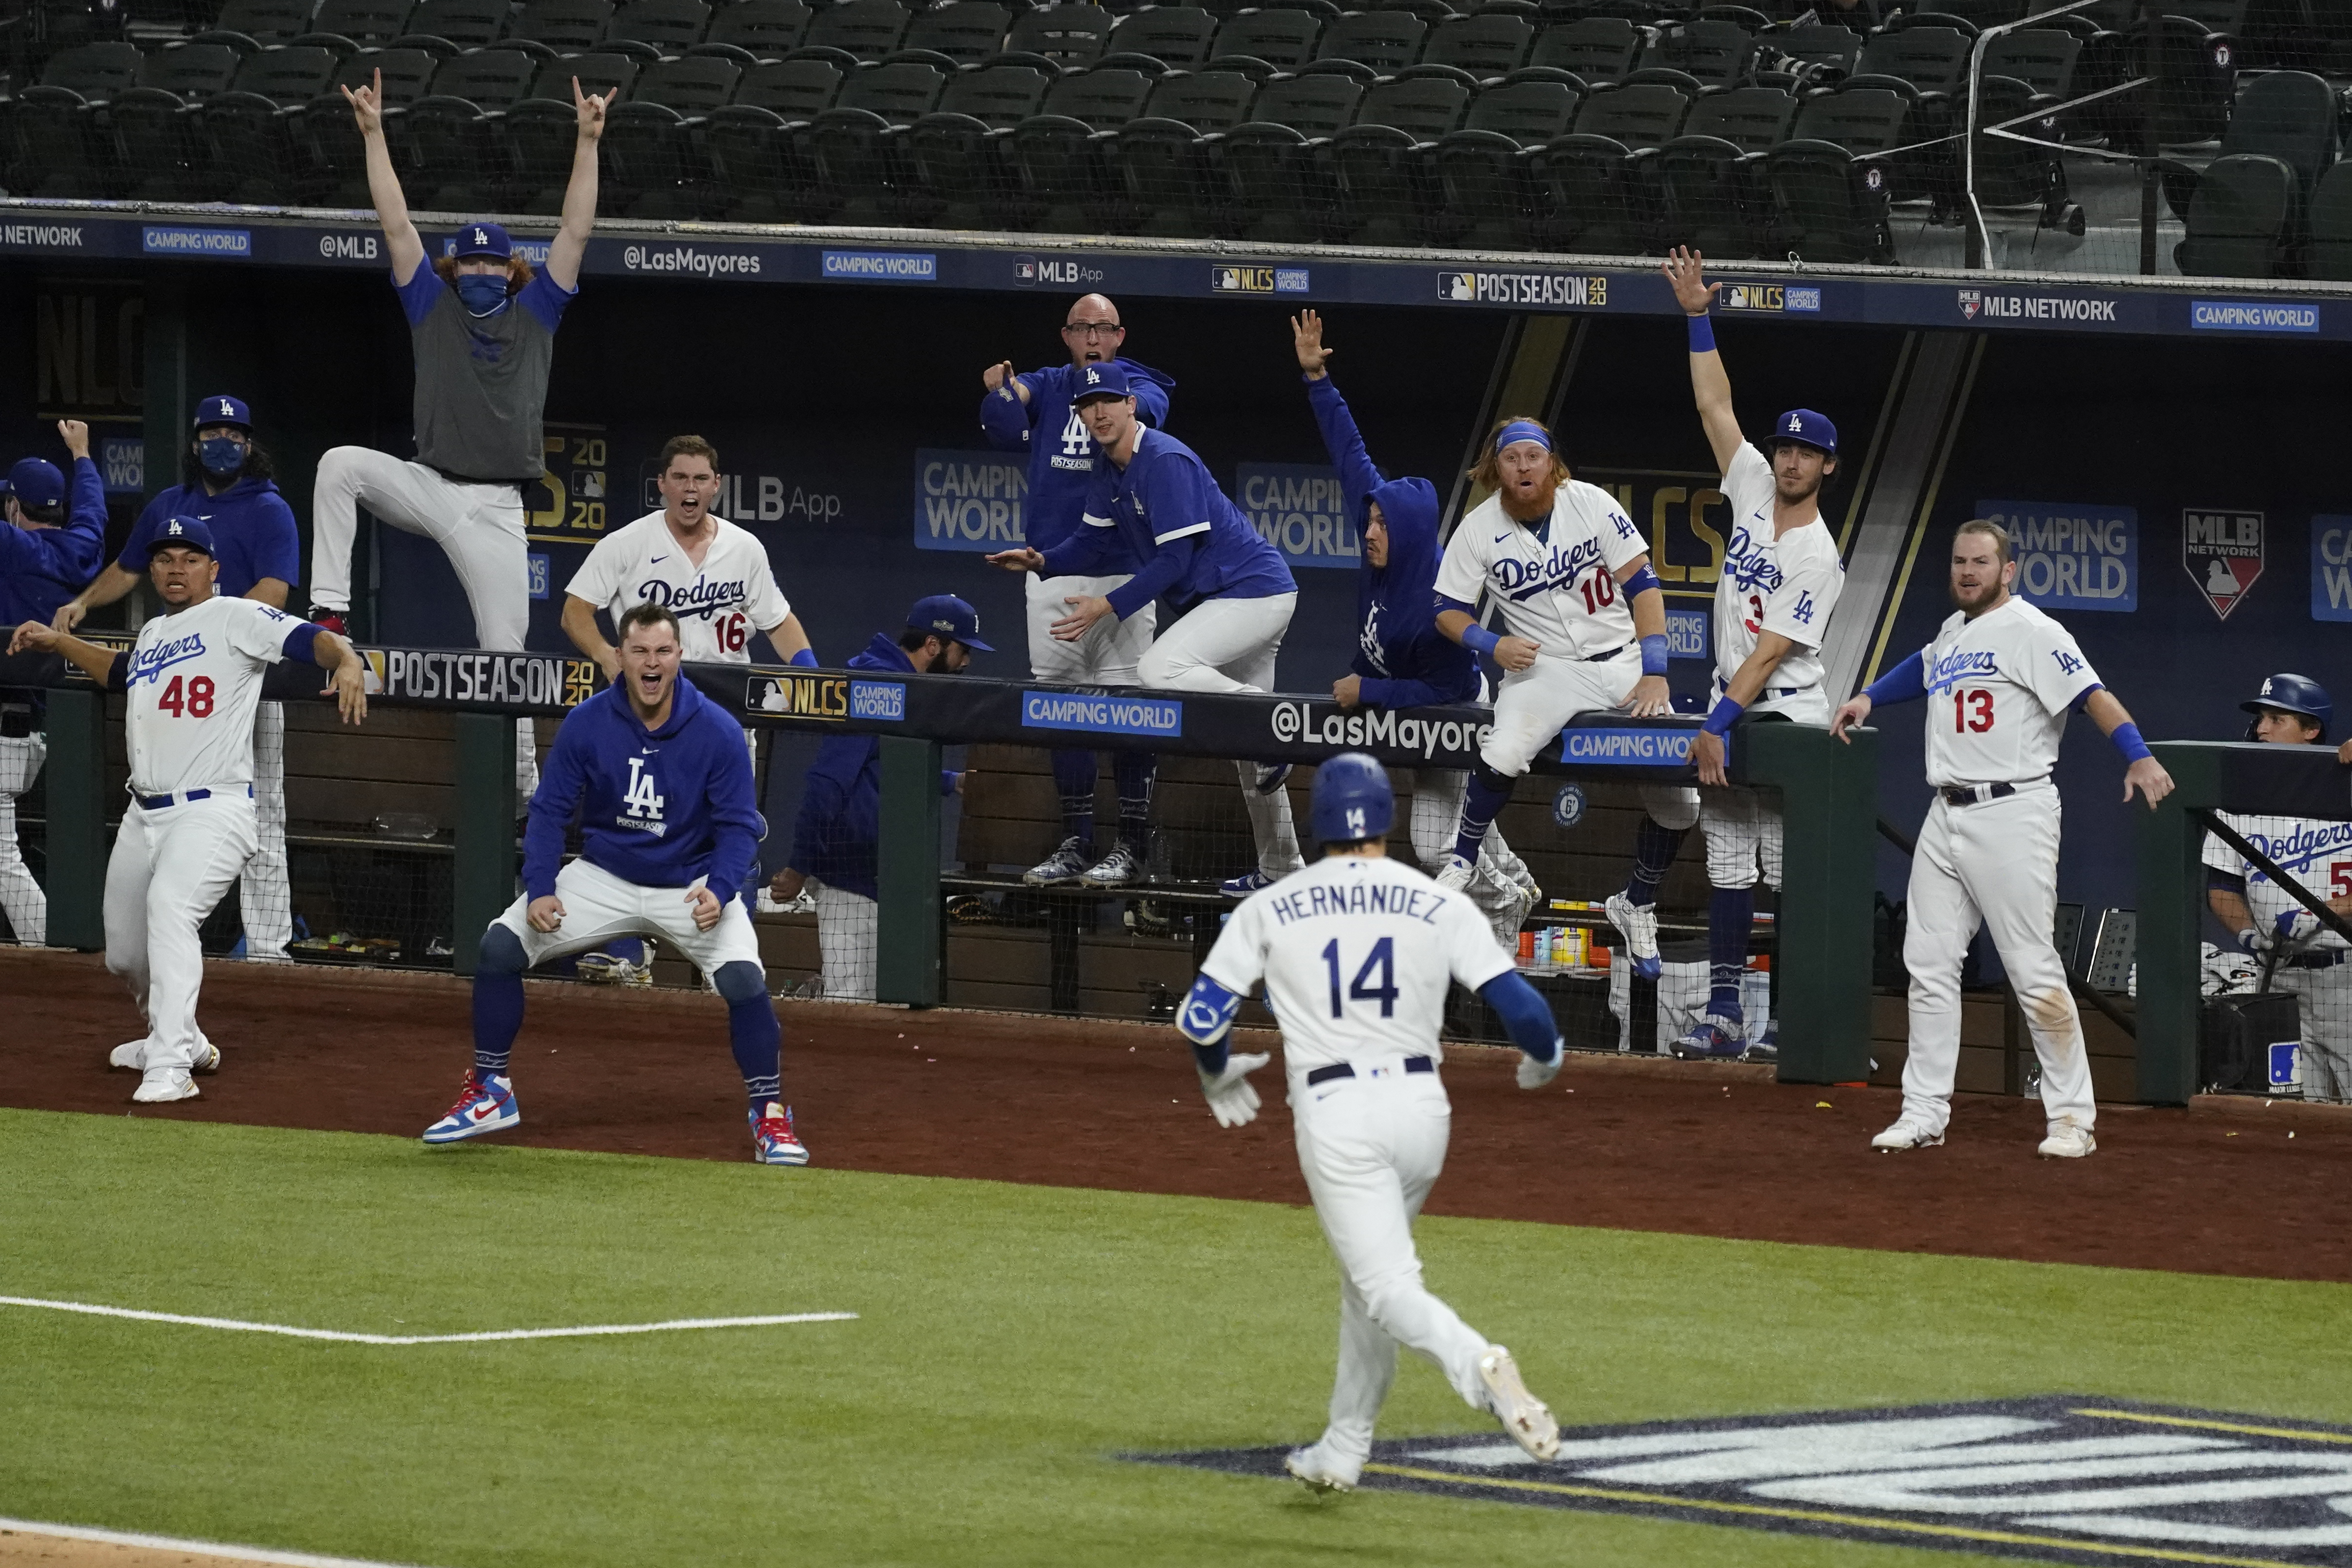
{"points": [[1522, 430]]}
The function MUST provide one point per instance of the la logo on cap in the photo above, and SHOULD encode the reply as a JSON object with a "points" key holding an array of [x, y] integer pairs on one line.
{"points": [[481, 237], [1094, 378], [1795, 424], [226, 409], [177, 529]]}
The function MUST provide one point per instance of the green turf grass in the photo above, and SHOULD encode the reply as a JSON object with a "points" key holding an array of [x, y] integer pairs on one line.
{"points": [[1014, 1340]]}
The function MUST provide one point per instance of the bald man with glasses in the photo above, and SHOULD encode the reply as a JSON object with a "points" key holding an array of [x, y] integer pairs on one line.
{"points": [[1031, 412]]}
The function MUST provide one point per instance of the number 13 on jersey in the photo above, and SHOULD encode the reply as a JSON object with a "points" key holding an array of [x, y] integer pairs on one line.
{"points": [[1971, 711]]}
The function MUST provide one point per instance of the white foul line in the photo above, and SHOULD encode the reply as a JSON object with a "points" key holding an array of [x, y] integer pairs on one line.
{"points": [[221, 1550], [241, 1326]]}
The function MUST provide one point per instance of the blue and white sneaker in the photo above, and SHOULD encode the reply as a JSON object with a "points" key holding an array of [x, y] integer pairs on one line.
{"points": [[1241, 887], [1638, 924], [1713, 1037], [1767, 1047], [1272, 776], [488, 1105], [774, 1141]]}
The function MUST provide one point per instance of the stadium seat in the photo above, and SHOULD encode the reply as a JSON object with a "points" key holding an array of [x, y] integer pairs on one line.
{"points": [[1591, 191], [964, 31], [670, 27], [2331, 224], [153, 146], [1180, 34], [540, 130], [1485, 198], [248, 130], [950, 163], [1381, 186], [1429, 12], [865, 29], [1158, 161], [1260, 43], [1387, 41], [2281, 138], [847, 149], [567, 26], [1060, 183], [770, 29], [1489, 45], [457, 161], [2241, 220], [2227, 17], [1816, 45], [51, 146], [653, 166], [2194, 75], [1263, 171], [272, 21], [1715, 52], [1711, 174], [367, 23], [2015, 175], [2041, 58], [1596, 49], [1828, 193], [1067, 35], [469, 23], [751, 142]]}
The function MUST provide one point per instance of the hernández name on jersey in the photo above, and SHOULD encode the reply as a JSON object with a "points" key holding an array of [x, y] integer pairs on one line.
{"points": [[1356, 899]]}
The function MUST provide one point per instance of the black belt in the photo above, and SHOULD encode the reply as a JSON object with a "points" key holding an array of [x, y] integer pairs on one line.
{"points": [[160, 802], [1341, 1069], [1609, 653], [1975, 795], [2327, 959]]}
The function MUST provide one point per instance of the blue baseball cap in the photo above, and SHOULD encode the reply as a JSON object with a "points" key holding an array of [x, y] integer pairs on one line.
{"points": [[945, 615], [183, 532], [34, 481], [223, 409], [1806, 428], [483, 238], [1107, 379]]}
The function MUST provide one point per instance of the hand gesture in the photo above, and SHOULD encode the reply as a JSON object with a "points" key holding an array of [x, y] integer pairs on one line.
{"points": [[77, 437], [707, 907], [350, 687], [1000, 377], [785, 885], [2148, 776], [592, 106], [1691, 292], [1706, 755], [1348, 690], [545, 914], [1306, 339], [1022, 560], [1516, 653], [367, 106], [69, 616], [32, 635], [1849, 714], [1651, 697], [1229, 1093]]}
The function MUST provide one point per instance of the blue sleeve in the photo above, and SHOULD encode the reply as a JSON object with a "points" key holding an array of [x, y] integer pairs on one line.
{"points": [[1404, 694], [1357, 478], [545, 298], [1205, 1019], [133, 558], [1445, 604], [423, 290], [562, 778], [1004, 419], [1090, 549], [1150, 401], [88, 498], [1907, 682], [1166, 568], [824, 795], [1526, 1018], [734, 813], [300, 642], [276, 542]]}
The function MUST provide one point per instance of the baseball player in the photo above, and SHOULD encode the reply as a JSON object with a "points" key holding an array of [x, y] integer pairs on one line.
{"points": [[1155, 501], [2001, 679], [1403, 661], [481, 323], [225, 481], [49, 548], [834, 840], [2313, 961], [658, 777], [1355, 952], [1062, 463], [1780, 582], [192, 680]]}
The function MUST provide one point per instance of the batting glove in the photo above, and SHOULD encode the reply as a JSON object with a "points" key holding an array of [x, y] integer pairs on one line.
{"points": [[2255, 942], [1533, 1074], [2296, 927], [1229, 1092]]}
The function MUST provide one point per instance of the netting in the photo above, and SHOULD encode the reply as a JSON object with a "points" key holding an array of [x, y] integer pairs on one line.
{"points": [[2276, 975]]}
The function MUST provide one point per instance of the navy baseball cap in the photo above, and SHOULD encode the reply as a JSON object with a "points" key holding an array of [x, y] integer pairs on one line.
{"points": [[1807, 428], [1107, 379], [183, 532], [224, 409], [483, 239], [34, 481], [945, 615]]}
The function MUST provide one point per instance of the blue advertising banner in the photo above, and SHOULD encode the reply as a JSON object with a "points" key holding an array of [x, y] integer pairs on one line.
{"points": [[2072, 556], [1300, 509], [122, 459], [969, 501], [1102, 715], [1689, 633], [2331, 567]]}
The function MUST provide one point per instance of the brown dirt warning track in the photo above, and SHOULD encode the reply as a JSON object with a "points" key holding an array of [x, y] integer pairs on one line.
{"points": [[1631, 1145]]}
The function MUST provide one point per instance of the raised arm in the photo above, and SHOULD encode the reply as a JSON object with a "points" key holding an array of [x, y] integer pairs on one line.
{"points": [[95, 662], [400, 237], [1710, 386], [579, 196]]}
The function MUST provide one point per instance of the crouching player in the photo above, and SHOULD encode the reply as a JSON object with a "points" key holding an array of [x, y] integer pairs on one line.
{"points": [[658, 777]]}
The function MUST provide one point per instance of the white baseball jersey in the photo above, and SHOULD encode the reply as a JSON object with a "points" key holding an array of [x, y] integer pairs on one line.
{"points": [[716, 603], [194, 683], [1356, 953], [1557, 582], [2000, 689], [1787, 583], [2316, 854]]}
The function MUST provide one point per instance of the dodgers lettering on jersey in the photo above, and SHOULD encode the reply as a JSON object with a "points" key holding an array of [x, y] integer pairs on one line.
{"points": [[1786, 584], [2317, 855], [2000, 689], [1356, 954], [192, 685], [1557, 584], [717, 604]]}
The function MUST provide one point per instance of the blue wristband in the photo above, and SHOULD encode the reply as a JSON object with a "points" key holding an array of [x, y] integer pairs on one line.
{"points": [[2126, 739], [1641, 582], [1725, 715], [1653, 653], [1701, 334], [1478, 639], [807, 657]]}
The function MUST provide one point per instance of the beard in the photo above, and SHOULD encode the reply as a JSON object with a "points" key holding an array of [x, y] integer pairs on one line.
{"points": [[1793, 491], [1975, 598]]}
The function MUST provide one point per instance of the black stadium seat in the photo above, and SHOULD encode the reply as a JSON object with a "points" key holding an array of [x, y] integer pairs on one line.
{"points": [[1158, 160], [1380, 182], [751, 142], [951, 161], [1489, 45], [1820, 44], [2331, 224], [567, 26], [1180, 36], [1830, 194], [1712, 176], [670, 26], [847, 148], [2245, 210], [1060, 181], [768, 28], [155, 148], [1387, 41], [2041, 58], [1595, 48], [249, 131], [1264, 171], [1485, 198], [1591, 193], [457, 160], [50, 146], [368, 23], [541, 129], [1717, 53], [469, 23], [653, 166], [1069, 35], [272, 21], [1279, 38], [867, 30], [965, 31]]}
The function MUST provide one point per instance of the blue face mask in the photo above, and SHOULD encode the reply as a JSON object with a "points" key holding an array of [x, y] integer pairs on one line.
{"points": [[482, 293], [220, 456]]}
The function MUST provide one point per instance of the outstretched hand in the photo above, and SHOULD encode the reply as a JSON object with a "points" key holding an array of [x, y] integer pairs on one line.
{"points": [[367, 105], [1692, 292], [33, 635], [1307, 341], [1850, 713], [592, 106], [1021, 560]]}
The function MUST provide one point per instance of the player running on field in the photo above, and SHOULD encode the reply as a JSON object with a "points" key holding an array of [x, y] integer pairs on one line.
{"points": [[1357, 953], [1781, 581], [1034, 413], [2313, 963], [657, 776], [1403, 661], [2001, 679], [1154, 501], [191, 680]]}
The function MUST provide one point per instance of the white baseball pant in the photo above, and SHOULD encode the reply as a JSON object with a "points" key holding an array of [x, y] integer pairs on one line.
{"points": [[21, 898], [1107, 656], [1743, 834], [169, 867], [598, 907], [265, 895], [1995, 863], [2325, 998], [1229, 645], [847, 927], [1371, 1146], [1534, 704]]}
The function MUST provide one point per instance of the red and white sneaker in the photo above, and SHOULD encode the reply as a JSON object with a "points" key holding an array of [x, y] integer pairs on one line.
{"points": [[488, 1105], [774, 1141]]}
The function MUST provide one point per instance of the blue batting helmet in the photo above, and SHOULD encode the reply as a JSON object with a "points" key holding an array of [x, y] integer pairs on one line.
{"points": [[1352, 800], [2292, 694]]}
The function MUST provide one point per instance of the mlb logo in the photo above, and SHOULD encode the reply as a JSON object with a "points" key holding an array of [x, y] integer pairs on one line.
{"points": [[1025, 270], [1971, 302], [2286, 1068], [1457, 286]]}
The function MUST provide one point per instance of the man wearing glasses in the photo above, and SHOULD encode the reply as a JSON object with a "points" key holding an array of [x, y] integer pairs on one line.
{"points": [[1032, 413]]}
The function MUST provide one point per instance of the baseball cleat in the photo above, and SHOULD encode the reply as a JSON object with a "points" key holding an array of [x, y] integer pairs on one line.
{"points": [[1767, 1047], [132, 1055], [1638, 924], [1453, 873], [773, 1142], [486, 1105], [1243, 886], [1712, 1038], [1119, 869], [162, 1085], [1906, 1134], [1271, 776], [1528, 1419], [1065, 864], [2067, 1141], [1323, 1470], [606, 968]]}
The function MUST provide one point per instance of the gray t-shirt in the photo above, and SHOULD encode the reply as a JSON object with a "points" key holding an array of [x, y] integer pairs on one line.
{"points": [[481, 382]]}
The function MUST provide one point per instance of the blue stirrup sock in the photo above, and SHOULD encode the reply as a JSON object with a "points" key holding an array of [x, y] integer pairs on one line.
{"points": [[1074, 780], [1729, 913], [1479, 804], [757, 1040], [1135, 772], [498, 1018], [1654, 847]]}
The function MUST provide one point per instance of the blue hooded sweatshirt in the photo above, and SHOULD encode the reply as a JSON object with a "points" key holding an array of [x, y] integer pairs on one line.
{"points": [[1062, 455], [840, 822], [1404, 660], [656, 807], [253, 529], [41, 568]]}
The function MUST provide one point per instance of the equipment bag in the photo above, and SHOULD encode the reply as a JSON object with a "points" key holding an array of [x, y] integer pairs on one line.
{"points": [[2234, 1035]]}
